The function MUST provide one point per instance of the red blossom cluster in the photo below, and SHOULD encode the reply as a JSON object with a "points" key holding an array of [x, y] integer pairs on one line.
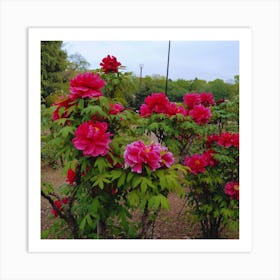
{"points": [[205, 98], [232, 189], [110, 64], [71, 176], [198, 162], [200, 114], [86, 85], [82, 86], [155, 156], [59, 205], [198, 106], [226, 139], [160, 104], [92, 138], [115, 109]]}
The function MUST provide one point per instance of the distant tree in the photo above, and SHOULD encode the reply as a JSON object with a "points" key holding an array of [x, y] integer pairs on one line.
{"points": [[198, 85], [53, 64], [220, 89], [78, 63], [140, 96]]}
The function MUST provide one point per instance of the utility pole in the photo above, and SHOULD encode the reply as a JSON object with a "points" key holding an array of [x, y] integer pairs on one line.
{"points": [[167, 68], [141, 67]]}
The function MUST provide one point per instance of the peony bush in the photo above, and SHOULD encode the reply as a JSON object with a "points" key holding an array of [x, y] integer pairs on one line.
{"points": [[118, 163]]}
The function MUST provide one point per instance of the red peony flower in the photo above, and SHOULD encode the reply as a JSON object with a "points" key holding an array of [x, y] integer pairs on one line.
{"points": [[65, 102], [115, 109], [157, 103], [58, 205], [174, 109], [207, 99], [145, 111], [65, 200], [232, 189], [196, 163], [54, 212], [86, 85], [211, 139], [114, 191], [208, 157], [91, 138], [200, 114], [192, 99], [110, 64], [71, 176], [228, 139]]}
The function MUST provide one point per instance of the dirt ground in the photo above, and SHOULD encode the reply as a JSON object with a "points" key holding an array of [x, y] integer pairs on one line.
{"points": [[171, 224]]}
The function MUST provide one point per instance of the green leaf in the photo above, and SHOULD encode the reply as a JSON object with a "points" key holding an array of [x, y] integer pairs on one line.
{"points": [[83, 224], [47, 188], [101, 163], [116, 174], [129, 177], [143, 186], [137, 181], [121, 180], [164, 201], [133, 199], [81, 104], [65, 131]]}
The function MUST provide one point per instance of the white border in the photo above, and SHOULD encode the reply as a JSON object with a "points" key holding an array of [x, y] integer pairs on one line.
{"points": [[243, 35], [260, 15]]}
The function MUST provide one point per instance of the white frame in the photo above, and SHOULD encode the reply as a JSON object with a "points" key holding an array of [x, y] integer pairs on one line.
{"points": [[262, 16], [243, 35]]}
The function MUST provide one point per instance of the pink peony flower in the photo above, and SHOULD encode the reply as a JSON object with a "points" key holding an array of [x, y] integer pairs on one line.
{"points": [[200, 114], [71, 176], [196, 163], [152, 156], [207, 99], [86, 85], [91, 138], [115, 109], [110, 64], [232, 189], [167, 158], [133, 156], [65, 102], [192, 99], [137, 153]]}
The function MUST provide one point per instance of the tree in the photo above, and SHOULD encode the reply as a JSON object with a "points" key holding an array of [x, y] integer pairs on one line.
{"points": [[220, 89], [53, 64]]}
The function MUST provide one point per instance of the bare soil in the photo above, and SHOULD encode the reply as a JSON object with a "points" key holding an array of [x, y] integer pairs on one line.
{"points": [[171, 224]]}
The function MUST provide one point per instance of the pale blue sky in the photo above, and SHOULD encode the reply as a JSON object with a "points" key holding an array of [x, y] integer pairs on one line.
{"points": [[206, 60]]}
